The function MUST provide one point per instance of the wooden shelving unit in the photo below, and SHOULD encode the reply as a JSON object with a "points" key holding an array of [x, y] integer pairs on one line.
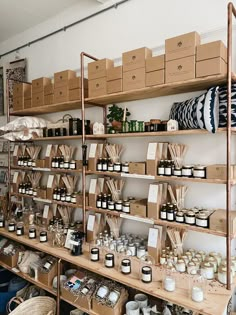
{"points": [[215, 302]]}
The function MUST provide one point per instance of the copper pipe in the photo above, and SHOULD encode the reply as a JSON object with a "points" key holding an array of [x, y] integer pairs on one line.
{"points": [[8, 151], [229, 185], [82, 55], [58, 285]]}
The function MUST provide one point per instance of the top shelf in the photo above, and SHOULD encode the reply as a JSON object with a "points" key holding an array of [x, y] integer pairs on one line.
{"points": [[197, 84]]}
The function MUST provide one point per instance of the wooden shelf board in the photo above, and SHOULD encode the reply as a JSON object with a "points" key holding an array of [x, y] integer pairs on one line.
{"points": [[28, 278], [47, 109], [45, 169], [196, 84], [215, 303], [58, 138]]}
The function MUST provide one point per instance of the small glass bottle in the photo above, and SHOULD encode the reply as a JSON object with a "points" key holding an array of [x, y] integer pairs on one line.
{"points": [[99, 201], [32, 233], [161, 168], [99, 164], [104, 202], [168, 168], [170, 213], [72, 165], [20, 229], [43, 237], [104, 164], [163, 212]]}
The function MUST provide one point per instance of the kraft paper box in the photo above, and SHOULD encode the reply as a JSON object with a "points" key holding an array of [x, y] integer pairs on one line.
{"points": [[218, 221], [48, 99], [181, 46], [18, 150], [22, 90], [61, 94], [152, 160], [18, 103], [155, 77], [212, 50], [27, 103], [17, 178], [98, 69], [139, 207], [75, 94], [155, 63], [134, 79], [93, 192], [154, 200], [38, 99], [41, 193], [97, 87], [180, 69], [62, 78], [212, 66], [219, 171], [40, 163], [49, 89], [114, 73], [154, 244], [115, 86], [135, 59], [137, 168], [39, 84], [10, 261], [51, 152], [52, 182], [75, 83], [47, 278], [95, 151], [80, 300]]}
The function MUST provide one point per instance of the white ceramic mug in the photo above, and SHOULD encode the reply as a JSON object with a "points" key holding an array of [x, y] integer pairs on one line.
{"points": [[141, 299], [132, 308]]}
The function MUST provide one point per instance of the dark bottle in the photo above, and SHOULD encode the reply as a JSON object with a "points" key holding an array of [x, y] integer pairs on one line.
{"points": [[99, 201], [104, 202]]}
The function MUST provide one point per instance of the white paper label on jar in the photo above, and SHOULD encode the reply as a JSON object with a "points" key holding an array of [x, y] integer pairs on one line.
{"points": [[72, 166], [94, 257], [208, 273], [1, 223], [125, 269], [190, 220], [126, 209], [109, 263], [170, 216], [177, 173], [201, 222], [125, 169], [31, 234], [168, 171], [197, 294], [161, 170], [186, 172], [104, 167], [179, 219], [163, 215], [162, 260], [119, 207], [76, 243], [11, 228], [181, 267], [18, 232], [104, 204], [116, 168], [47, 265], [43, 238], [110, 168], [68, 198], [199, 173], [110, 207], [146, 278]]}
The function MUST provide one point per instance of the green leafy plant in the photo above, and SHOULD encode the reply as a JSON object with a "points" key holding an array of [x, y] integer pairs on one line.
{"points": [[116, 113]]}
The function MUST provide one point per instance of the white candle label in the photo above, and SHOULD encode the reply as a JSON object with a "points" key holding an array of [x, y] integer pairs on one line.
{"points": [[15, 176], [18, 232], [43, 238], [92, 151], [92, 186], [76, 243], [47, 265], [153, 193], [152, 237], [125, 269], [32, 234], [1, 224], [197, 173], [109, 263], [94, 256], [190, 220], [152, 149], [146, 278], [125, 209], [201, 222], [91, 221], [11, 228], [45, 211], [167, 171]]}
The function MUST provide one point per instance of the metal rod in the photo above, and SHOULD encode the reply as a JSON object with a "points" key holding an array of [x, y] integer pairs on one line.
{"points": [[64, 28], [8, 151], [58, 285], [229, 185]]}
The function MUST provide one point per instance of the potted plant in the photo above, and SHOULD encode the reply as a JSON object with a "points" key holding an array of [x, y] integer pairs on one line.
{"points": [[116, 116]]}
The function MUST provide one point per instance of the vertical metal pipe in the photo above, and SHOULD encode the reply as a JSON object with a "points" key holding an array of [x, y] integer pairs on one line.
{"points": [[228, 186], [58, 285], [8, 151]]}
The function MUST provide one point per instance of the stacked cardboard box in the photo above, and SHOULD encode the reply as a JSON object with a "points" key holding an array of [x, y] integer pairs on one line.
{"points": [[115, 80], [181, 57], [61, 85], [38, 86], [134, 68], [155, 70], [97, 76], [21, 96], [49, 94], [75, 89]]}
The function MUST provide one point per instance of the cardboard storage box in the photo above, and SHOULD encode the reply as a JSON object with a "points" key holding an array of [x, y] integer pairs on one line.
{"points": [[180, 69], [155, 77], [41, 193], [39, 84], [51, 151], [22, 89], [212, 66], [98, 69], [62, 78], [137, 168], [139, 207], [155, 63], [27, 103], [218, 221], [75, 83], [157, 195], [38, 99], [114, 86], [219, 171], [75, 94], [10, 261], [49, 89], [181, 46], [152, 160], [18, 103], [211, 50], [135, 59], [40, 163], [47, 278], [61, 94], [48, 99], [115, 73], [134, 79], [97, 87], [79, 300]]}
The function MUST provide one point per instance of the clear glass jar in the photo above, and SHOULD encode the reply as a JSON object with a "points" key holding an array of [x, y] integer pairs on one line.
{"points": [[187, 170]]}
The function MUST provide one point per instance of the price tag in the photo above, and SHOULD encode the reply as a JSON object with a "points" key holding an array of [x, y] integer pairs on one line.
{"points": [[45, 211], [92, 151], [153, 193], [15, 176], [48, 151], [90, 223], [92, 186], [15, 150], [50, 181], [152, 238], [152, 149]]}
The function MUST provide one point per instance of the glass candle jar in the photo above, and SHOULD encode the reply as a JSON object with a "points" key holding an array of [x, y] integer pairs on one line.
{"points": [[187, 170], [117, 167], [94, 254], [113, 297], [202, 219], [146, 274], [20, 230], [102, 292], [72, 165], [199, 171], [125, 167], [11, 227], [132, 249], [110, 167], [207, 270], [161, 168], [126, 207], [180, 265], [32, 233], [141, 251], [192, 268], [217, 256], [126, 266], [43, 237], [179, 217], [177, 171], [118, 205], [212, 260], [190, 217], [111, 205], [222, 275], [198, 288], [73, 198], [169, 281], [109, 260]]}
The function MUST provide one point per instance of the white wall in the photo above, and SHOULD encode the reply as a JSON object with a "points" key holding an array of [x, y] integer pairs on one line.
{"points": [[135, 24]]}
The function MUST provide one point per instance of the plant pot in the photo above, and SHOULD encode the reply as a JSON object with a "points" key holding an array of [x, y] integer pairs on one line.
{"points": [[117, 125]]}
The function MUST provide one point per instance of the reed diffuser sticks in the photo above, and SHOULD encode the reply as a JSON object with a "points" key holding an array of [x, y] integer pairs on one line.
{"points": [[33, 151], [177, 237], [177, 194], [34, 178], [115, 186], [177, 152], [70, 182], [114, 224], [67, 151], [114, 151]]}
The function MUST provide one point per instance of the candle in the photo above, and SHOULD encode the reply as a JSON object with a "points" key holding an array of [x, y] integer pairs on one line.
{"points": [[169, 284], [197, 294]]}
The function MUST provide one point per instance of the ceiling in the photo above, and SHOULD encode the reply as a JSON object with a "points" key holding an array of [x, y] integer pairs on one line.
{"points": [[24, 14]]}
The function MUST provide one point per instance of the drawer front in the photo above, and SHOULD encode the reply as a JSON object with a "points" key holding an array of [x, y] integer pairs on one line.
{"points": [[180, 69], [98, 69], [61, 94], [38, 99], [39, 84], [97, 87], [135, 59], [133, 80], [61, 78]]}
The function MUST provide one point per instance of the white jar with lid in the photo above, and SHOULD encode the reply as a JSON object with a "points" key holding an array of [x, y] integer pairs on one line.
{"points": [[207, 270], [199, 171], [222, 275], [187, 170]]}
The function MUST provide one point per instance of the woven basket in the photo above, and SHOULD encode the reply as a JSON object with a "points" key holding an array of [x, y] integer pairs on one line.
{"points": [[40, 305]]}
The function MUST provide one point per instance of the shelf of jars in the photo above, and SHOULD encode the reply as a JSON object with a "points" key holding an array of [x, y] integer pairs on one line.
{"points": [[216, 296], [28, 278], [41, 169]]}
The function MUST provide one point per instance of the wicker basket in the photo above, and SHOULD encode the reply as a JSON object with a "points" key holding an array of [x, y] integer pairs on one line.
{"points": [[40, 305]]}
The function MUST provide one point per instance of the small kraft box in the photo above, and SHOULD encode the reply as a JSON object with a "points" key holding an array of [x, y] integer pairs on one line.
{"points": [[75, 94], [48, 99], [98, 69], [38, 99], [39, 84], [180, 69], [139, 207], [114, 80], [61, 94], [181, 46], [152, 159], [135, 59], [9, 260], [93, 192], [137, 168], [27, 103], [155, 73], [51, 151], [134, 79], [219, 171], [18, 103], [95, 151], [47, 277], [218, 221], [154, 200], [49, 89], [75, 83], [97, 87], [51, 184], [22, 90], [62, 78]]}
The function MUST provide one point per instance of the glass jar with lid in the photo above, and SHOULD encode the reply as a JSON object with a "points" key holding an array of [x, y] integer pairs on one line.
{"points": [[163, 212], [187, 170], [190, 217], [161, 168], [199, 171], [179, 217], [202, 219]]}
